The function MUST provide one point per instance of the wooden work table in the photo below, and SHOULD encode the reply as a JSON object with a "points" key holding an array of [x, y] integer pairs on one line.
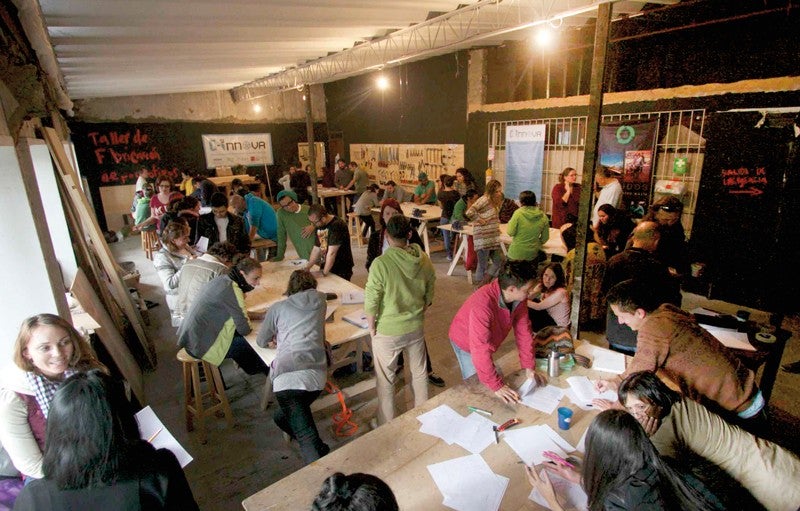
{"points": [[399, 453]]}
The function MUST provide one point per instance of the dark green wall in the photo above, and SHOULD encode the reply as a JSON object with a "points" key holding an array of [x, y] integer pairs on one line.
{"points": [[426, 102]]}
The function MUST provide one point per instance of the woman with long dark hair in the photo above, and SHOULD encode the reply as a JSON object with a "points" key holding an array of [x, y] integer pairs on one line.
{"points": [[613, 229], [549, 301], [623, 471], [96, 459], [464, 181]]}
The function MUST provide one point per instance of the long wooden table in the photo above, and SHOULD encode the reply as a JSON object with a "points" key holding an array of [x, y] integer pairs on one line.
{"points": [[223, 182], [554, 245], [326, 193], [338, 332], [398, 453]]}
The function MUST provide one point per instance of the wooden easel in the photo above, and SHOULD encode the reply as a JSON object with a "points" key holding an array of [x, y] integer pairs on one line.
{"points": [[86, 226]]}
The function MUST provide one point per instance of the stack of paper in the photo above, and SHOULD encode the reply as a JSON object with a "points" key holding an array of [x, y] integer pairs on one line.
{"points": [[602, 358], [468, 484], [585, 392], [571, 495], [474, 432], [545, 398], [529, 443], [730, 338]]}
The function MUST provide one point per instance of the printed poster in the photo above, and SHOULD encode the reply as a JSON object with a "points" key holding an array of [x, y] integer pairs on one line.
{"points": [[233, 149], [524, 160], [628, 148]]}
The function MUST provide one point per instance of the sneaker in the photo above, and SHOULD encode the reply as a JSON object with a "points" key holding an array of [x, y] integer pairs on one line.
{"points": [[434, 379], [449, 257]]}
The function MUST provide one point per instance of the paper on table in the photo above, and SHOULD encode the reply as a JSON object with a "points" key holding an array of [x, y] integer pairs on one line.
{"points": [[351, 297], [468, 483], [528, 386], [357, 318], [577, 401], [573, 498], [545, 398], [441, 422], [150, 424], [730, 338], [585, 391], [705, 312], [475, 433], [529, 443], [329, 310], [602, 359]]}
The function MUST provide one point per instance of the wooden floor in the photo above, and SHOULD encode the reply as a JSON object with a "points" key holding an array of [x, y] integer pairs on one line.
{"points": [[238, 462]]}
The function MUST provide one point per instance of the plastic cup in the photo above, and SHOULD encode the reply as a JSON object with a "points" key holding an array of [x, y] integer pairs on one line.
{"points": [[564, 417]]}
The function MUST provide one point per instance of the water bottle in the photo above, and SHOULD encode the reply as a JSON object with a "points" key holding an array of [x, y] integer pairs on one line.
{"points": [[552, 364]]}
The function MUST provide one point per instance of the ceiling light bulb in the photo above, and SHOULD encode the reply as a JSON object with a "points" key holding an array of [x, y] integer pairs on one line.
{"points": [[382, 82], [544, 37], [257, 108]]}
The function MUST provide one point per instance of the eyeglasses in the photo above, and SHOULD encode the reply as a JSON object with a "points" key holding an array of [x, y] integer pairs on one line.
{"points": [[285, 205]]}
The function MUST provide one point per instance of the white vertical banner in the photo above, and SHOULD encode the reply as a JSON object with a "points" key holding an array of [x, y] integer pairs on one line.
{"points": [[524, 160]]}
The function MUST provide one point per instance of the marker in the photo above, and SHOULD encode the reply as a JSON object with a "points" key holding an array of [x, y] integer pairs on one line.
{"points": [[479, 410], [153, 437], [558, 459]]}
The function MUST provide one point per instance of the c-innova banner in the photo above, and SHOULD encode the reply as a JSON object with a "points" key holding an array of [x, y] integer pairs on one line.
{"points": [[237, 149], [524, 159]]}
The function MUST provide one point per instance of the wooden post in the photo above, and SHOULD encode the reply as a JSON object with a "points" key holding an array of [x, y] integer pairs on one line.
{"points": [[596, 85], [312, 149]]}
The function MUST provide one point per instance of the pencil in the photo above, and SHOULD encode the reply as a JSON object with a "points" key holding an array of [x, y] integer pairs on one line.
{"points": [[154, 435]]}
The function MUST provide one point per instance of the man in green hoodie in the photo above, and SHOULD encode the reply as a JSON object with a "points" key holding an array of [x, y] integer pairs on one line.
{"points": [[398, 290], [529, 228]]}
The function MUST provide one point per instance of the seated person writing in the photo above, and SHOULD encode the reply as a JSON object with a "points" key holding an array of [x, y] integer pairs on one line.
{"points": [[683, 430], [623, 471]]}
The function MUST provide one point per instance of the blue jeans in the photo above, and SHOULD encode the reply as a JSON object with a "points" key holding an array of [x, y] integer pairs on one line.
{"points": [[464, 361], [447, 236], [484, 254], [294, 417]]}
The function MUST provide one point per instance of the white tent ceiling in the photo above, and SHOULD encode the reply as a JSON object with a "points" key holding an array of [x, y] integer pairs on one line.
{"points": [[132, 47]]}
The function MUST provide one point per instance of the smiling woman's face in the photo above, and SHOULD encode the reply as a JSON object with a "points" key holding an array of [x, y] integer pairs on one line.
{"points": [[49, 350]]}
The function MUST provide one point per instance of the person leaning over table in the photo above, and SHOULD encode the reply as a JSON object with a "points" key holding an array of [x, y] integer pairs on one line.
{"points": [[484, 320], [425, 192], [221, 225], [671, 341], [623, 472], [682, 429], [215, 326], [48, 350], [398, 291], [293, 222], [332, 246], [96, 459], [296, 328], [392, 191], [201, 270]]}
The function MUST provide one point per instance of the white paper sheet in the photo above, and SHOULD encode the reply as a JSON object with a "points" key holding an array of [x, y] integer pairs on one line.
{"points": [[475, 433], [544, 399], [585, 391], [352, 297], [529, 443], [602, 359], [357, 318], [201, 245], [705, 312], [468, 484], [150, 424], [440, 422], [577, 401], [730, 338], [572, 496]]}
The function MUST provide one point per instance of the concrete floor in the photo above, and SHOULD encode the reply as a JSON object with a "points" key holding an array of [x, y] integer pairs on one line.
{"points": [[237, 462]]}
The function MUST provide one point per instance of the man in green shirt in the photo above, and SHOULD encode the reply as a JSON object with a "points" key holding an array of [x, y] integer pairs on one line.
{"points": [[425, 192], [293, 221], [399, 289]]}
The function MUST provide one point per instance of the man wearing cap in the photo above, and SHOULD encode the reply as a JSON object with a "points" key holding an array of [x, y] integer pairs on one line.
{"points": [[293, 221], [425, 192], [611, 192]]}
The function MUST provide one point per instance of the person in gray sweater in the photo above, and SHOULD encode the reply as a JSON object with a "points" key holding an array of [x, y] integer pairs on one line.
{"points": [[197, 272], [296, 327], [215, 326]]}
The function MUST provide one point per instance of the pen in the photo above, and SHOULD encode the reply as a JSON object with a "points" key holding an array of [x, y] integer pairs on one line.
{"points": [[154, 435], [558, 459], [479, 410]]}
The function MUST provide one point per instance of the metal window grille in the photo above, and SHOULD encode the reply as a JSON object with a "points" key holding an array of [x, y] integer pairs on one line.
{"points": [[679, 135]]}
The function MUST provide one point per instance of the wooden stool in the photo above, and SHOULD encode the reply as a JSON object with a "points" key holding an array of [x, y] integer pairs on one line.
{"points": [[149, 243], [194, 397], [354, 226], [260, 244]]}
